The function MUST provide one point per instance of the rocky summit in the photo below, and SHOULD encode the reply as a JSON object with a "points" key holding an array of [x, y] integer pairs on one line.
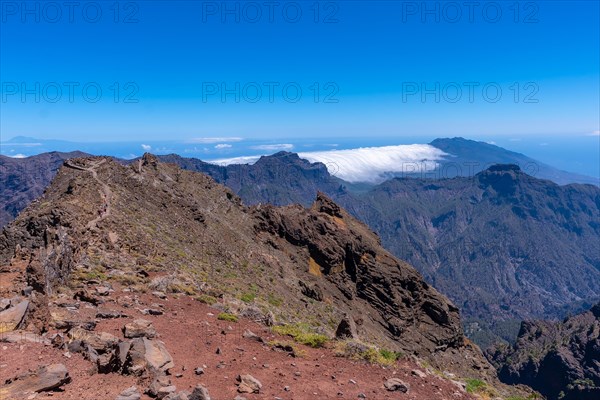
{"points": [[81, 265]]}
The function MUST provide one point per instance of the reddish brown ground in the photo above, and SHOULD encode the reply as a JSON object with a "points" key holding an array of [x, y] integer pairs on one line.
{"points": [[192, 335]]}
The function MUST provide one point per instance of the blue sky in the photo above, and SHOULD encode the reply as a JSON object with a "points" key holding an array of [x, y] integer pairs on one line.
{"points": [[370, 60]]}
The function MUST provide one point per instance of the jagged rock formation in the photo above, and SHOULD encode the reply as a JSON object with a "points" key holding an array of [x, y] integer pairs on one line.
{"points": [[100, 218], [559, 359]]}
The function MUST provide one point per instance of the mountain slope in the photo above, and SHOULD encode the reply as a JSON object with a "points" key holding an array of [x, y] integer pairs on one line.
{"points": [[560, 359], [102, 219], [468, 157], [503, 245], [25, 179]]}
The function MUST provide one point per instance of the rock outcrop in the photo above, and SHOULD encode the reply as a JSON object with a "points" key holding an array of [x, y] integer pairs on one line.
{"points": [[559, 359]]}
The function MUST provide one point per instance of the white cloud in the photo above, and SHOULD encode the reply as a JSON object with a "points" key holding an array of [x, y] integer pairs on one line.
{"points": [[367, 164], [146, 147], [273, 147], [223, 146], [19, 156], [214, 139], [491, 142], [235, 160], [595, 133]]}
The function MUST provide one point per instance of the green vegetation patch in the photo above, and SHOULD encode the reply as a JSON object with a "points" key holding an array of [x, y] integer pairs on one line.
{"points": [[227, 317], [301, 333]]}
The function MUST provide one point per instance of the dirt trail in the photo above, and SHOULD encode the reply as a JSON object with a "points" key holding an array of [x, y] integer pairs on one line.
{"points": [[106, 192]]}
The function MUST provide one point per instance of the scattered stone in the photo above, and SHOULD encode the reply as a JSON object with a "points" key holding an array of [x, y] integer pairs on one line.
{"points": [[158, 383], [108, 314], [396, 385], [84, 295], [239, 398], [4, 304], [248, 334], [248, 384], [218, 350], [139, 328], [103, 290], [152, 311], [160, 295], [165, 391], [44, 379], [198, 371], [131, 393], [419, 373], [11, 318], [362, 396], [27, 290], [199, 393]]}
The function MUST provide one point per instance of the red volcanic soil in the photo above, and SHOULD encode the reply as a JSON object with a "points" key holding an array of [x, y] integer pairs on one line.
{"points": [[192, 334]]}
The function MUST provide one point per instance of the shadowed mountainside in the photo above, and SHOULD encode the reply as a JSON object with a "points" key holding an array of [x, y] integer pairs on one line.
{"points": [[560, 359], [25, 179]]}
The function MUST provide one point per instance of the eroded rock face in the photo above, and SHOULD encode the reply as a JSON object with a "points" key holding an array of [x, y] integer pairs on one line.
{"points": [[555, 357], [346, 257]]}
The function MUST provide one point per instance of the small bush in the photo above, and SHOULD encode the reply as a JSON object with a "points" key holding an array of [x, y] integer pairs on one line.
{"points": [[389, 355], [206, 299], [248, 297], [227, 317], [181, 288], [359, 351], [302, 335], [274, 300], [477, 386]]}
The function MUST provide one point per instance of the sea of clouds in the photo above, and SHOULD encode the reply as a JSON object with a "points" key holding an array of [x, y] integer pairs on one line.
{"points": [[367, 164]]}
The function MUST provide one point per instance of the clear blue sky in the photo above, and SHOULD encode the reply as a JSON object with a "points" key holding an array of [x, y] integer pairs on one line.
{"points": [[374, 55]]}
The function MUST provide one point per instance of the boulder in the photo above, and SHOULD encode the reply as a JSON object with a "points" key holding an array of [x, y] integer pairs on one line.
{"points": [[12, 318], [346, 329], [199, 393], [45, 378], [396, 385], [248, 384], [139, 328], [101, 342], [148, 354], [22, 336], [131, 393], [159, 382]]}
